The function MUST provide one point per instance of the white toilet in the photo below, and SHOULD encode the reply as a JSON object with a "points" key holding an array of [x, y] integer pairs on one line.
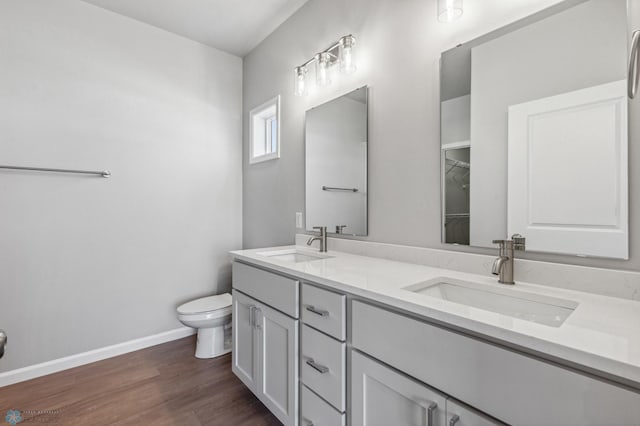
{"points": [[211, 316]]}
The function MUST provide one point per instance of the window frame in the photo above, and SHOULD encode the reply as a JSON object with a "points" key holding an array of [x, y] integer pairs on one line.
{"points": [[265, 118]]}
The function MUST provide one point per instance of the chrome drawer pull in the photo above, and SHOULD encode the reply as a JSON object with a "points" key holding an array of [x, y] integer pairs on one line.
{"points": [[454, 420], [252, 315], [634, 64], [320, 368], [257, 323], [316, 311], [430, 409]]}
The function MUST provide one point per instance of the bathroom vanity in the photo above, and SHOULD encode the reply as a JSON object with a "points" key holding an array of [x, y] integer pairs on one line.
{"points": [[336, 338]]}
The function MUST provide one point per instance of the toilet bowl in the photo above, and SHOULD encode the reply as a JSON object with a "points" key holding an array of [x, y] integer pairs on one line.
{"points": [[211, 316]]}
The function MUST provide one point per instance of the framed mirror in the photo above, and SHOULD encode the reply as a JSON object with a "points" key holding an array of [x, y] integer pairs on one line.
{"points": [[534, 133], [336, 164]]}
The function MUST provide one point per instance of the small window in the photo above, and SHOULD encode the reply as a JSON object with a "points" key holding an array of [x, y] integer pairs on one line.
{"points": [[265, 131]]}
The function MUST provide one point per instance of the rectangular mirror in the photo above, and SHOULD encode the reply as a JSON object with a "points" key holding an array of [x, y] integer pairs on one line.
{"points": [[534, 133], [336, 164]]}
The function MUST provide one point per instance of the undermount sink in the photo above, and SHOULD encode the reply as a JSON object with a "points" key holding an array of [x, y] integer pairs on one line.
{"points": [[294, 255], [529, 307]]}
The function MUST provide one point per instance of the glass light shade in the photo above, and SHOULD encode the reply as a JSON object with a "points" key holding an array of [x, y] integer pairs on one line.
{"points": [[300, 83], [322, 69], [449, 10], [347, 64]]}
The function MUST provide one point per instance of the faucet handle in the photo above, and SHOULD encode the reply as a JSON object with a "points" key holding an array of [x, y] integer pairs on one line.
{"points": [[501, 242], [321, 229], [519, 242]]}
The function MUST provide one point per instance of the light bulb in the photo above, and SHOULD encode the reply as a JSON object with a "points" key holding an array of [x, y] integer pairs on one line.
{"points": [[322, 69], [300, 87], [449, 10], [347, 64]]}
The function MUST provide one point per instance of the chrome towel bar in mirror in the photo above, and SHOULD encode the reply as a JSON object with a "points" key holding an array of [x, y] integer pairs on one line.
{"points": [[330, 188], [104, 173]]}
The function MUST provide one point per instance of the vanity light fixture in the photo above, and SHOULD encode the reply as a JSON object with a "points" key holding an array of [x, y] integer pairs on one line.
{"points": [[347, 64], [340, 52], [323, 60], [300, 87], [449, 10]]}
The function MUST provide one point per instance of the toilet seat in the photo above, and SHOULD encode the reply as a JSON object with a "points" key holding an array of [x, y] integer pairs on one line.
{"points": [[211, 306]]}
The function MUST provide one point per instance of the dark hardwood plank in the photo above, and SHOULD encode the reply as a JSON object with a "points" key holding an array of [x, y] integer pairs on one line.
{"points": [[161, 385]]}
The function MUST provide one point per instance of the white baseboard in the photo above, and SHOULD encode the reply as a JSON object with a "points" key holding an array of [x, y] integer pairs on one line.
{"points": [[49, 367]]}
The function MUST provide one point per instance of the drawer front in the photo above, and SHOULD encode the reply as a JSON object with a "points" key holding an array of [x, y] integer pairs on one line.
{"points": [[272, 289], [324, 310], [512, 387], [316, 412], [323, 366]]}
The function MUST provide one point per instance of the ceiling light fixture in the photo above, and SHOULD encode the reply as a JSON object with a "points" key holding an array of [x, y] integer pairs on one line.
{"points": [[340, 52], [449, 10]]}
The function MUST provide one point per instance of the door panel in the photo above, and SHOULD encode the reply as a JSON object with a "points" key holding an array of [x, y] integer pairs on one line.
{"points": [[244, 361], [554, 142], [278, 359]]}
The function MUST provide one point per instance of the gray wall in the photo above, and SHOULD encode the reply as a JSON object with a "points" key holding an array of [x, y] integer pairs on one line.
{"points": [[559, 57], [87, 262], [399, 45]]}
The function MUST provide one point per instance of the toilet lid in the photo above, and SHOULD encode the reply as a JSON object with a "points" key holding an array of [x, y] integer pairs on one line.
{"points": [[206, 304]]}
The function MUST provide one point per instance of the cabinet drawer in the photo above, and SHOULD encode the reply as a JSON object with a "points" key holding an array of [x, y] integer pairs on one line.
{"points": [[509, 386], [316, 412], [275, 290], [324, 310], [323, 366]]}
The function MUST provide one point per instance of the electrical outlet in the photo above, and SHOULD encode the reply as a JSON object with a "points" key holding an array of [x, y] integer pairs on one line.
{"points": [[299, 220]]}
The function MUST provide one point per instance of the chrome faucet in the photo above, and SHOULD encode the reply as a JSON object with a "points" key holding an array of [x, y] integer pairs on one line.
{"points": [[322, 238], [503, 265]]}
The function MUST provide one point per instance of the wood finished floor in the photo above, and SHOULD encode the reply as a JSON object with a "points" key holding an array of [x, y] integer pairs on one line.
{"points": [[161, 385]]}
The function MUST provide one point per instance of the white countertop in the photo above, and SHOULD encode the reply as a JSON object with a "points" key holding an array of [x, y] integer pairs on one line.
{"points": [[602, 334]]}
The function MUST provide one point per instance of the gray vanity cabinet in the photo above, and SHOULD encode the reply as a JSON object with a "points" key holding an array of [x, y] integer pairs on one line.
{"points": [[508, 385], [266, 340], [265, 355], [355, 360]]}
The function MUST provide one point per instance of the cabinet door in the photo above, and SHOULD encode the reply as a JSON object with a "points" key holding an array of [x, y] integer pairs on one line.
{"points": [[460, 415], [278, 363], [381, 396], [244, 357]]}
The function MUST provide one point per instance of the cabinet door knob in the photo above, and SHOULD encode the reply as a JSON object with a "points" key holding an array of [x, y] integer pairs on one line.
{"points": [[430, 409], [454, 420], [319, 368]]}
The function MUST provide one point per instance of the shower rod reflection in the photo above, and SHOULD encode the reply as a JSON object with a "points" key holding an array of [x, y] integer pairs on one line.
{"points": [[104, 173]]}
